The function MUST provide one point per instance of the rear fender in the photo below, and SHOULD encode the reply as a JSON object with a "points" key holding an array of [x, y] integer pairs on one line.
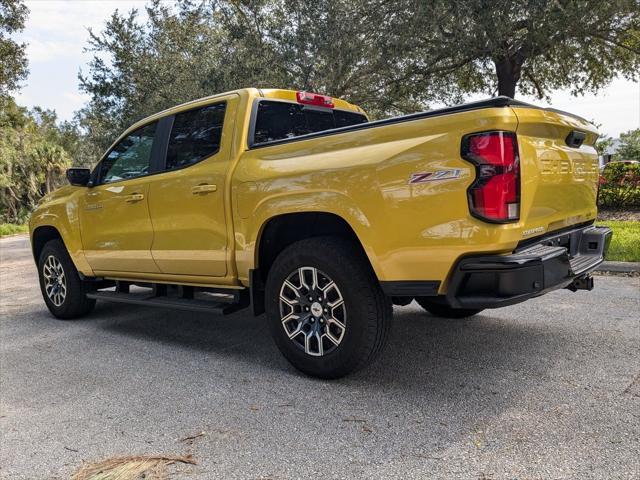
{"points": [[249, 230]]}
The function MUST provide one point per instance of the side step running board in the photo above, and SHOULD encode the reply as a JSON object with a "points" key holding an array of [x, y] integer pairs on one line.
{"points": [[152, 300]]}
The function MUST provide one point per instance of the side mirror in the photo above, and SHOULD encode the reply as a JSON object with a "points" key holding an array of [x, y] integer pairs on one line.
{"points": [[78, 176]]}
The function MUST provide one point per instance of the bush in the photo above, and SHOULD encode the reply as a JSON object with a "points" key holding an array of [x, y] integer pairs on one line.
{"points": [[12, 229], [620, 186]]}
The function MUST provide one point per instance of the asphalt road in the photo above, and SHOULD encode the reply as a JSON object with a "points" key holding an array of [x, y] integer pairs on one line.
{"points": [[543, 390]]}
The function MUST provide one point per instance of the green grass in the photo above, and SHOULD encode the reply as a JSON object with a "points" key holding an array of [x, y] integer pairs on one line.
{"points": [[12, 228], [625, 245]]}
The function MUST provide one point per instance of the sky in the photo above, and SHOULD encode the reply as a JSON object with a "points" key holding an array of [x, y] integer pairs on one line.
{"points": [[56, 34]]}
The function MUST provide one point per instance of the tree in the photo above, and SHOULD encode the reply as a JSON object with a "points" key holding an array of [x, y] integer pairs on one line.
{"points": [[629, 148], [13, 61], [189, 50], [177, 55], [334, 47], [603, 144], [32, 159], [532, 46]]}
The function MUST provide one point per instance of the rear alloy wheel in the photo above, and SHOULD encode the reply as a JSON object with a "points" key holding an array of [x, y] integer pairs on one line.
{"points": [[325, 308], [312, 311], [445, 311], [64, 293]]}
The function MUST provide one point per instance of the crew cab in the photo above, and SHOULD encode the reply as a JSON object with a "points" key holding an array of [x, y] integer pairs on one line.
{"points": [[295, 204]]}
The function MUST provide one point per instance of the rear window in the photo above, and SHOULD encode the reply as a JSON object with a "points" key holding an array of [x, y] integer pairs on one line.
{"points": [[278, 120]]}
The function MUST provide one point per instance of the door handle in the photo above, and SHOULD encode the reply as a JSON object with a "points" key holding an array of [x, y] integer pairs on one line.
{"points": [[134, 197], [204, 188]]}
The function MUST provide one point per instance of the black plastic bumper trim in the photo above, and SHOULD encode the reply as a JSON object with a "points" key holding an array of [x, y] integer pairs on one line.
{"points": [[410, 288], [493, 281]]}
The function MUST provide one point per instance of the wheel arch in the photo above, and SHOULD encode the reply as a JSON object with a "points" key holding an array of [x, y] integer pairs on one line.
{"points": [[280, 231], [40, 236]]}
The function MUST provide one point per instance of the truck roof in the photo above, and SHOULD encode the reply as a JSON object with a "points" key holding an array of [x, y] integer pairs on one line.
{"points": [[290, 95], [274, 93]]}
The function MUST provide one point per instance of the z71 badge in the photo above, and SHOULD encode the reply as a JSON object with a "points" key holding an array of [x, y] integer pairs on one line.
{"points": [[423, 177]]}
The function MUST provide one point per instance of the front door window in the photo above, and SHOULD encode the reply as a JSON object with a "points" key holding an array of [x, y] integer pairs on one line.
{"points": [[130, 158]]}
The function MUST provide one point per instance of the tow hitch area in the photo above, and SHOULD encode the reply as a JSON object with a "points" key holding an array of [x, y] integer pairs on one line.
{"points": [[564, 260], [581, 283]]}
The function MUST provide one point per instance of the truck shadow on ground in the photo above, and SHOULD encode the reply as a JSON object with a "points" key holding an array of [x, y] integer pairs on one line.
{"points": [[425, 355]]}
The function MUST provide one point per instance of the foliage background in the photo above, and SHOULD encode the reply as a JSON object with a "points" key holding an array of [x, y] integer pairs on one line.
{"points": [[35, 150], [620, 185]]}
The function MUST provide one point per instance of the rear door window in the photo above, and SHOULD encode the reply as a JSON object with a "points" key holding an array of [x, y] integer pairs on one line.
{"points": [[279, 120], [195, 135]]}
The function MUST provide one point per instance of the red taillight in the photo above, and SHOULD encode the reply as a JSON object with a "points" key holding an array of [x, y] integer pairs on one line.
{"points": [[316, 99], [495, 195]]}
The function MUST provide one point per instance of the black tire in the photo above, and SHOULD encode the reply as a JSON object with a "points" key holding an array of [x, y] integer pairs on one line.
{"points": [[445, 311], [367, 311], [75, 302]]}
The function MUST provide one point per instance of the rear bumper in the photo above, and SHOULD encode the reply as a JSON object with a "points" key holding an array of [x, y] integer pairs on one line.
{"points": [[557, 261]]}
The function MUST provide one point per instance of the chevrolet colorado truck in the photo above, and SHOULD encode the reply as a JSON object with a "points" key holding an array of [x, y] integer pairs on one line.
{"points": [[295, 204]]}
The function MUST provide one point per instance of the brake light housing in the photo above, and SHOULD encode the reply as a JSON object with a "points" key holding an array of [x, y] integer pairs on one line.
{"points": [[309, 98], [495, 194]]}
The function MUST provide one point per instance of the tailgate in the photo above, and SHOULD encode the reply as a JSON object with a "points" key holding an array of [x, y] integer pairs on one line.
{"points": [[559, 178]]}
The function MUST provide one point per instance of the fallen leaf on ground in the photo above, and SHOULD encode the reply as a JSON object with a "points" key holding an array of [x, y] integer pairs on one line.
{"points": [[354, 419], [149, 467], [192, 437]]}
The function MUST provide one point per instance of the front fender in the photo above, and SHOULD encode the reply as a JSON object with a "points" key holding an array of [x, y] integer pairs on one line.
{"points": [[60, 211]]}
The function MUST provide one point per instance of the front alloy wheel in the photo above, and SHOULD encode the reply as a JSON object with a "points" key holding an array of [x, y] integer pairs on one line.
{"points": [[312, 311], [64, 292], [55, 283]]}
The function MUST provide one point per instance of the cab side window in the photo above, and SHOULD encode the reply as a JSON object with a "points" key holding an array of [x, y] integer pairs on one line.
{"points": [[130, 158], [195, 135], [277, 120]]}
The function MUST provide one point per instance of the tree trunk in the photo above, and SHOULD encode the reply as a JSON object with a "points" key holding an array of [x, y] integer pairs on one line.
{"points": [[508, 70]]}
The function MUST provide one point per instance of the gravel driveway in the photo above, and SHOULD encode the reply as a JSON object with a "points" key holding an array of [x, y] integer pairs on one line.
{"points": [[546, 389]]}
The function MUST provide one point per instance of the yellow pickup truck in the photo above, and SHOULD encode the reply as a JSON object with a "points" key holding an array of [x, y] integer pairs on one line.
{"points": [[294, 203]]}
